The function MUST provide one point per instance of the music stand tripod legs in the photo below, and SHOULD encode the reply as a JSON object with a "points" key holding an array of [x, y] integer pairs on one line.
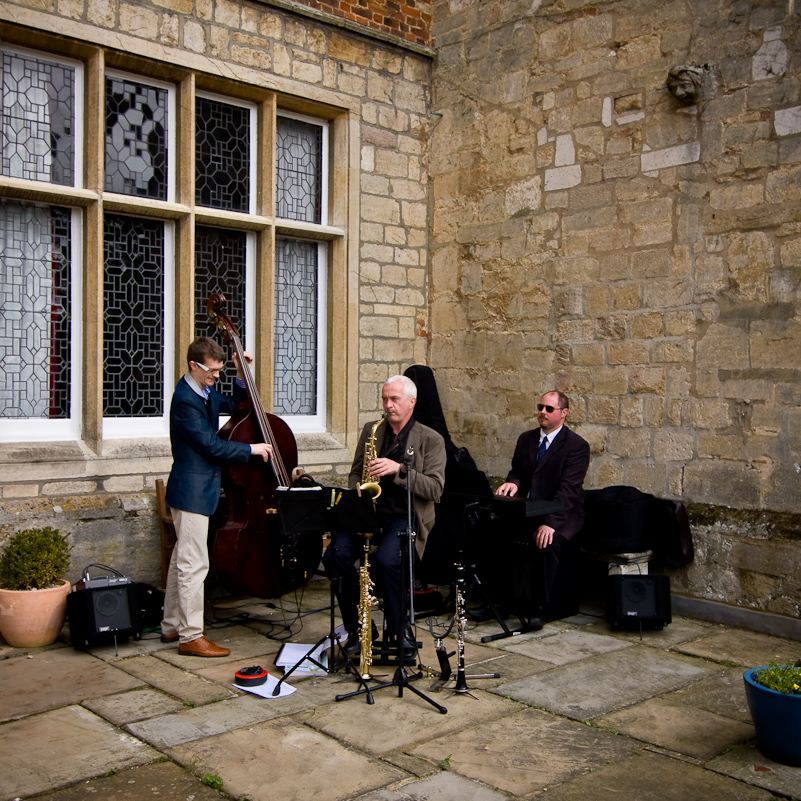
{"points": [[333, 638]]}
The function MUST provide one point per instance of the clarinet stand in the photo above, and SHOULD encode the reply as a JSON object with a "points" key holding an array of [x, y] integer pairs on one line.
{"points": [[461, 679], [401, 677], [308, 509]]}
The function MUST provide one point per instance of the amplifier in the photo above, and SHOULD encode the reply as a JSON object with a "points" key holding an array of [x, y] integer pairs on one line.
{"points": [[635, 601], [101, 610]]}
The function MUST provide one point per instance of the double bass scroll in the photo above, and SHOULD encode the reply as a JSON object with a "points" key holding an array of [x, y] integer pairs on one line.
{"points": [[251, 555]]}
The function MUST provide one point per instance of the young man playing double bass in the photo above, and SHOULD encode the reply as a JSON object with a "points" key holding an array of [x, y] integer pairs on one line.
{"points": [[193, 489]]}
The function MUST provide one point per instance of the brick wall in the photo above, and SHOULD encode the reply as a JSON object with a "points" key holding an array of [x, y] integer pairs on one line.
{"points": [[407, 19]]}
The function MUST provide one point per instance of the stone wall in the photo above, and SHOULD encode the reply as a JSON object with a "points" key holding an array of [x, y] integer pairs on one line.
{"points": [[593, 233], [102, 494]]}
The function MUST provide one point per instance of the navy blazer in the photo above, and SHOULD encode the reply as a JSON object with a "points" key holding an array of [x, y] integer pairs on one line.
{"points": [[197, 451], [559, 476]]}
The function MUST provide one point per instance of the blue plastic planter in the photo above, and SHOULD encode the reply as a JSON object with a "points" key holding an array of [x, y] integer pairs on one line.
{"points": [[777, 720]]}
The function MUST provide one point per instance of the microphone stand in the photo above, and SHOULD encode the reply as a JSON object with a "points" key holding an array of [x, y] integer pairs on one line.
{"points": [[401, 677]]}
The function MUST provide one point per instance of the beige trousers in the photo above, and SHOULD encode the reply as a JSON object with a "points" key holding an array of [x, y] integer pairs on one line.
{"points": [[189, 565]]}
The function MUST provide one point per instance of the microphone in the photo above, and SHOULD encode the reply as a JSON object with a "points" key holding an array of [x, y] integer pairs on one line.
{"points": [[408, 457]]}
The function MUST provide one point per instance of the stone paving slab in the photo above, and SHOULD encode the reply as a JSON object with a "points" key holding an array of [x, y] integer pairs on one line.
{"points": [[168, 731], [394, 723], [748, 764], [132, 706], [746, 648], [684, 729], [679, 631], [47, 679], [158, 780], [183, 684], [723, 692], [149, 643], [653, 777], [443, 786], [568, 646], [476, 631], [61, 747], [598, 685], [283, 759], [525, 752]]}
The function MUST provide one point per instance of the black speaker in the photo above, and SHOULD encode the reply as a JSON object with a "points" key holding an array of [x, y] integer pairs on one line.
{"points": [[100, 614], [635, 601]]}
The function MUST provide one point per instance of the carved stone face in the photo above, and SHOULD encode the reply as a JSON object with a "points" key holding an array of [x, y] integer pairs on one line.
{"points": [[684, 83]]}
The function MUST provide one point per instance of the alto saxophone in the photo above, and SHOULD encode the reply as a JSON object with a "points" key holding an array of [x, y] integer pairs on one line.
{"points": [[366, 599]]}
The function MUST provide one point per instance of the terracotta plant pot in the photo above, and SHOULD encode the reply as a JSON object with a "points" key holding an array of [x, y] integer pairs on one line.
{"points": [[777, 720], [32, 618]]}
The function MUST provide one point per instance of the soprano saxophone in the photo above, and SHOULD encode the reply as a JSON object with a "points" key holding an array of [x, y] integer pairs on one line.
{"points": [[366, 599]]}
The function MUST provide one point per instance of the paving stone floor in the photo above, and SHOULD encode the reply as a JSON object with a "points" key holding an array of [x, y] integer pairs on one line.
{"points": [[578, 711]]}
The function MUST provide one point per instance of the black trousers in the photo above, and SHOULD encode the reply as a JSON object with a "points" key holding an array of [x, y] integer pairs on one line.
{"points": [[341, 560]]}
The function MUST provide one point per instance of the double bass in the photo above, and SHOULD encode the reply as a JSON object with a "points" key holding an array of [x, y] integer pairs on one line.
{"points": [[251, 554]]}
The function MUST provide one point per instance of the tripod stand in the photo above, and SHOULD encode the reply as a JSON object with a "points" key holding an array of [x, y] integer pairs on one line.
{"points": [[400, 678]]}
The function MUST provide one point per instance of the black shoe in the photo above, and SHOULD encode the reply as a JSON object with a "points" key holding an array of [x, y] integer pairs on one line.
{"points": [[535, 623], [353, 645]]}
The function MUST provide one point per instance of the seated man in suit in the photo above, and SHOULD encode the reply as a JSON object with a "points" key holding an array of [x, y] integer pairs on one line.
{"points": [[549, 464], [193, 489]]}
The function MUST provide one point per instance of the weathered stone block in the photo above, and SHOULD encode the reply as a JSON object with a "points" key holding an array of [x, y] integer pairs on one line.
{"points": [[775, 343], [723, 346], [647, 379], [710, 481], [648, 325], [629, 443]]}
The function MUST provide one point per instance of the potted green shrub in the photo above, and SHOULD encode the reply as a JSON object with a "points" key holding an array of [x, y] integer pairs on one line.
{"points": [[774, 698], [33, 594]]}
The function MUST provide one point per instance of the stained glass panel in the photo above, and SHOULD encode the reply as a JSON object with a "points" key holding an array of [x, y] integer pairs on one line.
{"points": [[133, 323], [222, 155], [220, 262], [136, 139], [38, 119], [35, 264], [295, 387], [299, 170]]}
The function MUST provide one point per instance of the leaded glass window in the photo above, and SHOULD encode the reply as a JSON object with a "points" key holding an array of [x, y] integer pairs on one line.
{"points": [[38, 119], [223, 155], [296, 327], [299, 170], [220, 266], [136, 138], [133, 322], [35, 311]]}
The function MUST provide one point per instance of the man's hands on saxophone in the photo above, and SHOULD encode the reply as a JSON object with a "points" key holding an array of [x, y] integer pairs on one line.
{"points": [[378, 468]]}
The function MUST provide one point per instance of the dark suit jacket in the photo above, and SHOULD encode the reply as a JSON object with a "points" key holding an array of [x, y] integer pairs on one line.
{"points": [[427, 473], [558, 477], [197, 451]]}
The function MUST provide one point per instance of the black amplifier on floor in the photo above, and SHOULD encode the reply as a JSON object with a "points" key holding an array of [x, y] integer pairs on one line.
{"points": [[102, 610], [635, 601]]}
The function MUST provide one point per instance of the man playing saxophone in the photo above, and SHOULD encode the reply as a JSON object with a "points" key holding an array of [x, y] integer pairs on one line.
{"points": [[397, 439]]}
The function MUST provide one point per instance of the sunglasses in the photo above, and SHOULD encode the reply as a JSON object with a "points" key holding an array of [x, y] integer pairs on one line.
{"points": [[542, 407]]}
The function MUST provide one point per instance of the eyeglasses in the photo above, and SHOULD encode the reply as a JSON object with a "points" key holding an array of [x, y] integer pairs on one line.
{"points": [[549, 409], [208, 369]]}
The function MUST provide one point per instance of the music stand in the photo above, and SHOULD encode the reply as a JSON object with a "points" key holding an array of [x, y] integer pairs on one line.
{"points": [[323, 509]]}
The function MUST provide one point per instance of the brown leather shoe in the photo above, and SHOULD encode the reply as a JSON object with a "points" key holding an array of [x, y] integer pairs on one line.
{"points": [[202, 647], [169, 637]]}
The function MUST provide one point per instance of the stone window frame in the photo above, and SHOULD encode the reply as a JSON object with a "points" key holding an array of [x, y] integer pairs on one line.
{"points": [[340, 230]]}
